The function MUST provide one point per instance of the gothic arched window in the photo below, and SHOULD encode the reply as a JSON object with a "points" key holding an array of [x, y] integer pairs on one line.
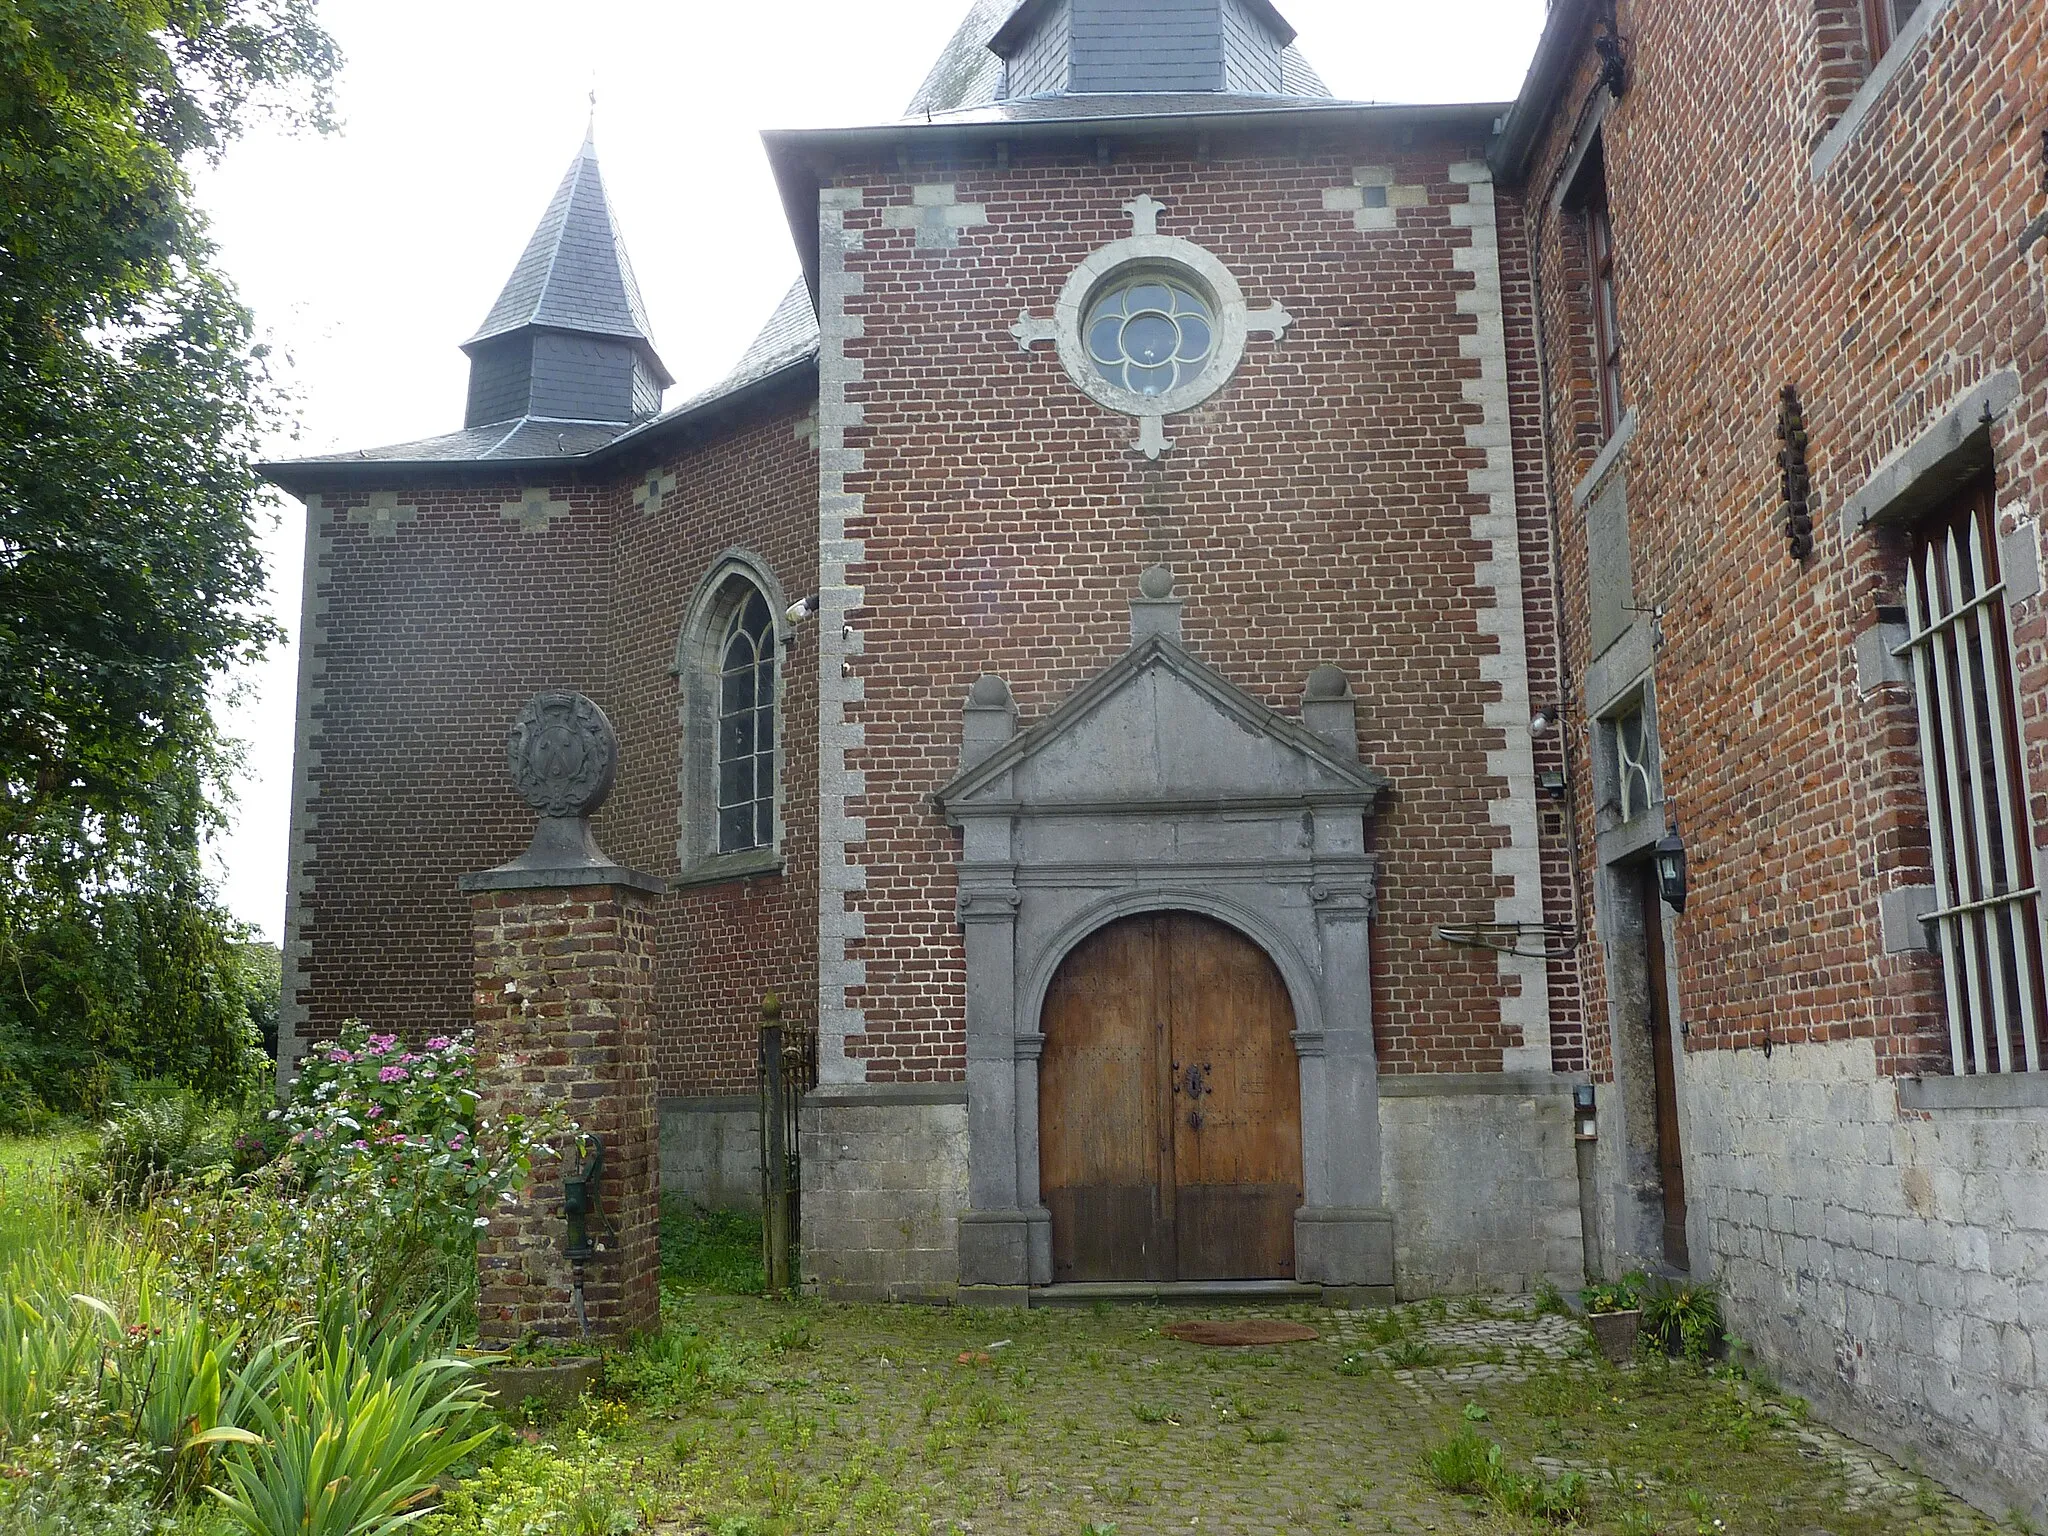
{"points": [[728, 666], [746, 728]]}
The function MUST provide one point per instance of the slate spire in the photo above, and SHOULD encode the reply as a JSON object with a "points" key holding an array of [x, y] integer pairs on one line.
{"points": [[568, 339]]}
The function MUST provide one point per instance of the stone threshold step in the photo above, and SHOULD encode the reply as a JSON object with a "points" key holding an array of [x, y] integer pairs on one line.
{"points": [[1179, 1293]]}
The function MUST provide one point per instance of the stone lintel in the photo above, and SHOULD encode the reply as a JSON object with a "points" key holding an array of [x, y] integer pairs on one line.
{"points": [[1942, 458]]}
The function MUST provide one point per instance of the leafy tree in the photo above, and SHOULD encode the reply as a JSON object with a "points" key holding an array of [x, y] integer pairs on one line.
{"points": [[132, 403]]}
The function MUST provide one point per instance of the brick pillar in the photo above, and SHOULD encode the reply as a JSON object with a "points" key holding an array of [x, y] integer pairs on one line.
{"points": [[564, 1012]]}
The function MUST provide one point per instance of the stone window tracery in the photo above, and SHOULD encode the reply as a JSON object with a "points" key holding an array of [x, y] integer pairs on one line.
{"points": [[1150, 333], [729, 675], [746, 728]]}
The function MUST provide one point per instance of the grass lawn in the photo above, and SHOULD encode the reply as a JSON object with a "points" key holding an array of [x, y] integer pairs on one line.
{"points": [[750, 1415], [755, 1416]]}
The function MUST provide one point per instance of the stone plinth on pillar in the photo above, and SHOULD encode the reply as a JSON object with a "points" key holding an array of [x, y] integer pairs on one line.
{"points": [[563, 942]]}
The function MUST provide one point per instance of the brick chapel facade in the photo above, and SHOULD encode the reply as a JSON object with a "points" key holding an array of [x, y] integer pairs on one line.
{"points": [[1251, 666]]}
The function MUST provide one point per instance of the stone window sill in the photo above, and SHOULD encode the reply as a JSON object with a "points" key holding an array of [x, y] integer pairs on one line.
{"points": [[1981, 1090], [726, 867], [1866, 98]]}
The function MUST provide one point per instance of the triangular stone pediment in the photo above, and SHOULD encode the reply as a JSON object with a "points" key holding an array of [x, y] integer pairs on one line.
{"points": [[1157, 726]]}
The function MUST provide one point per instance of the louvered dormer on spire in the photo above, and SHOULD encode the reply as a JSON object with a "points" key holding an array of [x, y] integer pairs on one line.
{"points": [[568, 339]]}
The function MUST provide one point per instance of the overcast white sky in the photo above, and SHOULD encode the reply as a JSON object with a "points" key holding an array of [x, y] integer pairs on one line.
{"points": [[369, 255]]}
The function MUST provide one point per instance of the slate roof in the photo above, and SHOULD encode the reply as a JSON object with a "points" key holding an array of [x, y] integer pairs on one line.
{"points": [[789, 337], [574, 274], [964, 84], [786, 345]]}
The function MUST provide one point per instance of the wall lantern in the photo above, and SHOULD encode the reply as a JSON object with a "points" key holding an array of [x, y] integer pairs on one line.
{"points": [[1670, 856]]}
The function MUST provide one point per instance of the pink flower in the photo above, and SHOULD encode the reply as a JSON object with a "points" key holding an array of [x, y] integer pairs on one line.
{"points": [[379, 1044], [439, 1043], [360, 1146], [340, 1058], [455, 1142], [392, 1074], [374, 1111]]}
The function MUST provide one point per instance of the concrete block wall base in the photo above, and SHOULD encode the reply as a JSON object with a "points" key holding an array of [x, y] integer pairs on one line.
{"points": [[711, 1152], [1006, 1247], [1344, 1246], [885, 1183], [1482, 1178]]}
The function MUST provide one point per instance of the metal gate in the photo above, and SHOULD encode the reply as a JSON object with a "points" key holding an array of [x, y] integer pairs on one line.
{"points": [[786, 1070]]}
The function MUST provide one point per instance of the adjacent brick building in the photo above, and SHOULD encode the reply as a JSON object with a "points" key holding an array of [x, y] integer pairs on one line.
{"points": [[1789, 274], [1183, 649]]}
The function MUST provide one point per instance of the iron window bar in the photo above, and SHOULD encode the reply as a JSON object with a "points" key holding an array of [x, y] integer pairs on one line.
{"points": [[1989, 938]]}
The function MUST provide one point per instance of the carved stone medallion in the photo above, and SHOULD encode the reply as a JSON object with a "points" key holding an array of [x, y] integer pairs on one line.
{"points": [[563, 753]]}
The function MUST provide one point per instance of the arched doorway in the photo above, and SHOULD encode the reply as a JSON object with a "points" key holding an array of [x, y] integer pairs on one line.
{"points": [[1169, 1106]]}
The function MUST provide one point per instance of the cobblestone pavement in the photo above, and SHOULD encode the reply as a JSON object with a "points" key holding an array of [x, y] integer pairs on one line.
{"points": [[902, 1419]]}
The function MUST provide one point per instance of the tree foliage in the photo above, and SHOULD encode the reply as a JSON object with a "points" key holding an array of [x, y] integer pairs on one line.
{"points": [[133, 399]]}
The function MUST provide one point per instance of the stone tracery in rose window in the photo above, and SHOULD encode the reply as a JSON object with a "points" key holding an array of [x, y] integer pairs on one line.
{"points": [[1150, 326]]}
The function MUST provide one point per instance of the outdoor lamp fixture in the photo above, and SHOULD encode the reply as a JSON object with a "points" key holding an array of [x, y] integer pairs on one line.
{"points": [[1670, 856], [1585, 1119]]}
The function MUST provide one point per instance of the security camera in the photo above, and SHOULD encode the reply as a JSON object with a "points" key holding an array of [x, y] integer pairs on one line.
{"points": [[801, 609]]}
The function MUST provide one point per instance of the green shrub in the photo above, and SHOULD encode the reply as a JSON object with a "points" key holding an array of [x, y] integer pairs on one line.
{"points": [[393, 1136], [144, 1145], [1683, 1317], [537, 1490], [1623, 1295], [127, 982], [348, 1447], [1470, 1464]]}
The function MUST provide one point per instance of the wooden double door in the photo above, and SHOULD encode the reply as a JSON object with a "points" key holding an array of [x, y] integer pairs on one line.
{"points": [[1169, 1106]]}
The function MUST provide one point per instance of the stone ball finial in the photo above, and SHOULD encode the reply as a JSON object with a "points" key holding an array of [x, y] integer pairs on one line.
{"points": [[1328, 682], [990, 692], [1156, 583], [563, 753]]}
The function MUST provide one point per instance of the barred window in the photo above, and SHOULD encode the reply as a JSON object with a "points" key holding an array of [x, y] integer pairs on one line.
{"points": [[1987, 923], [746, 728]]}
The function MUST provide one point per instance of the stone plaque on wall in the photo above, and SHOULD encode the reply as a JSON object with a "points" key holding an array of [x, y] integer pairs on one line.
{"points": [[1612, 584]]}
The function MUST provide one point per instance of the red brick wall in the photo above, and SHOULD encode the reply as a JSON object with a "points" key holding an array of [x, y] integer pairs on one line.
{"points": [[1876, 291], [435, 635], [1314, 511], [438, 632], [564, 1000], [722, 946]]}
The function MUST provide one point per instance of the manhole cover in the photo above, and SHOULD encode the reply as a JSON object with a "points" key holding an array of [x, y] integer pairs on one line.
{"points": [[1248, 1330]]}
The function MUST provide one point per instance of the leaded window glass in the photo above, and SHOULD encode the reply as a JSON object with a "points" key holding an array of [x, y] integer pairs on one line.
{"points": [[1633, 762], [1150, 334], [746, 729]]}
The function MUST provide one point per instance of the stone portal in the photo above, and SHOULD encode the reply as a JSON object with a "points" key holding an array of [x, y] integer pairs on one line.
{"points": [[1160, 787]]}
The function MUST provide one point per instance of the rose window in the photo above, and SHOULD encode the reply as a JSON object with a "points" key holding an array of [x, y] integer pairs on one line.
{"points": [[1151, 334]]}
